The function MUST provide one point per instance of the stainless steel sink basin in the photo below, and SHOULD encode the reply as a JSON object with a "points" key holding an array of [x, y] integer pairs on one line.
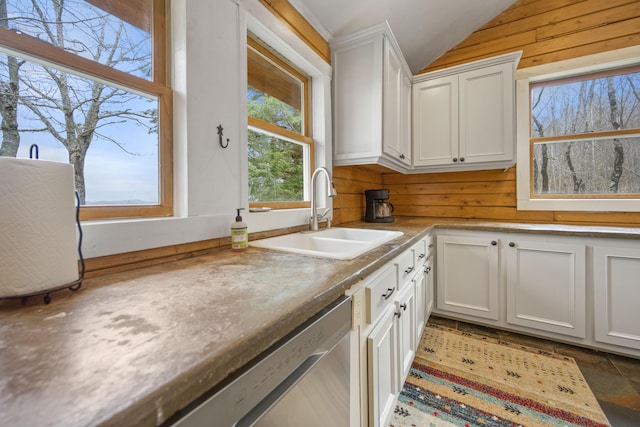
{"points": [[335, 243]]}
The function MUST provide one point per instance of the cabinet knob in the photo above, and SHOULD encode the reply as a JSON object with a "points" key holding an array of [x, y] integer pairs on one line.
{"points": [[493, 243], [402, 156], [455, 160], [462, 159], [512, 245]]}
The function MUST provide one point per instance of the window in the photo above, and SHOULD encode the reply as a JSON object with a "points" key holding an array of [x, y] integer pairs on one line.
{"points": [[585, 135], [582, 148], [280, 148], [86, 82]]}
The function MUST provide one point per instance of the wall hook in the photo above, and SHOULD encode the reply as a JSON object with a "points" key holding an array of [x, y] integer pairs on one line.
{"points": [[220, 129]]}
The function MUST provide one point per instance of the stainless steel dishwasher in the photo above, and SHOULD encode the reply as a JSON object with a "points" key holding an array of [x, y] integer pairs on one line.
{"points": [[303, 381]]}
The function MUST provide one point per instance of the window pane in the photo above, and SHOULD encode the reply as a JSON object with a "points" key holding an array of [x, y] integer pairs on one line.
{"points": [[276, 168], [274, 95], [604, 166], [117, 34], [110, 135], [599, 104]]}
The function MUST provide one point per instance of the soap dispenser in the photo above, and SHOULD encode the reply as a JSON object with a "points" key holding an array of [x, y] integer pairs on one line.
{"points": [[239, 234]]}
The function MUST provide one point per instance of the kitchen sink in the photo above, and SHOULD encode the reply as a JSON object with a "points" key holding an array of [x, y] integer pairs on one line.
{"points": [[335, 243]]}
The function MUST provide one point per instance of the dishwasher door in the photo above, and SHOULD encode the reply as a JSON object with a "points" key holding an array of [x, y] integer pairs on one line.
{"points": [[303, 381], [319, 399]]}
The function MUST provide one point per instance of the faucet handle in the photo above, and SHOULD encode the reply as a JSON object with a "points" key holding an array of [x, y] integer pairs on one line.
{"points": [[323, 212]]}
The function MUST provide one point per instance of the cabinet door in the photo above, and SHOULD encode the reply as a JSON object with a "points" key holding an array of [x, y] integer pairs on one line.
{"points": [[382, 351], [429, 296], [357, 100], [616, 295], [468, 276], [405, 120], [487, 114], [393, 122], [420, 284], [406, 318], [546, 286], [435, 121]]}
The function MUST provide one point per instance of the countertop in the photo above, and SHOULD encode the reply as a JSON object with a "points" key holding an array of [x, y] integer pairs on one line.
{"points": [[131, 348]]}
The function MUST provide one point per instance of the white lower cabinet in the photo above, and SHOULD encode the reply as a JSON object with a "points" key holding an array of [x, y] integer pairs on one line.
{"points": [[546, 285], [406, 318], [420, 285], [382, 350], [617, 294], [389, 309], [468, 276], [583, 290], [429, 297]]}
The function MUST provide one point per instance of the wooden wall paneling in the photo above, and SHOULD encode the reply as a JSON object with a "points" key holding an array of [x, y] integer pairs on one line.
{"points": [[350, 182], [560, 29], [621, 219], [546, 31]]}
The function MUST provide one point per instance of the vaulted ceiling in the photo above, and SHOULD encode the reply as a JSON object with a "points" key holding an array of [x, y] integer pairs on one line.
{"points": [[424, 29]]}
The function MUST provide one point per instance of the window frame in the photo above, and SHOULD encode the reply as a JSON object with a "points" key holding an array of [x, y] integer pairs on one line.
{"points": [[304, 138], [32, 49], [569, 69]]}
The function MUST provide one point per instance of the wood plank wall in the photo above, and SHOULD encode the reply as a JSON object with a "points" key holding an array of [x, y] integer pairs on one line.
{"points": [[546, 31], [549, 31]]}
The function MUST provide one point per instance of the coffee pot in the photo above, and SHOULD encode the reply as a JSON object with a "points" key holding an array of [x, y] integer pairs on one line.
{"points": [[378, 209]]}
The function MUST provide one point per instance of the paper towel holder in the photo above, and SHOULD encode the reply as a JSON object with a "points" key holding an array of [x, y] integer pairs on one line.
{"points": [[72, 286]]}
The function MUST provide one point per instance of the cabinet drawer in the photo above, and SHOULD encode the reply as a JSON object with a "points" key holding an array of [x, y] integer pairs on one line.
{"points": [[428, 241], [420, 253], [406, 267], [379, 291]]}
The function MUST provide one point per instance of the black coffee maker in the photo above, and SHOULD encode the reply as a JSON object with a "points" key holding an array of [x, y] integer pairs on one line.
{"points": [[378, 209]]}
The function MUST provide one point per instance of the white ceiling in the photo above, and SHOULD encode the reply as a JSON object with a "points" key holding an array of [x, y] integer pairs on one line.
{"points": [[424, 29]]}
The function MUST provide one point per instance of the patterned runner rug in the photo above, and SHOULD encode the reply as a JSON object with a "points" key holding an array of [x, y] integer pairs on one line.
{"points": [[462, 379]]}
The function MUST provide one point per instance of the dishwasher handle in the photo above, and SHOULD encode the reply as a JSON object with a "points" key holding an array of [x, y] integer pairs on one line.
{"points": [[280, 391]]}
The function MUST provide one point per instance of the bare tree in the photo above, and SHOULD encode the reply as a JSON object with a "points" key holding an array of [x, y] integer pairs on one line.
{"points": [[543, 169], [74, 109], [9, 91], [618, 149]]}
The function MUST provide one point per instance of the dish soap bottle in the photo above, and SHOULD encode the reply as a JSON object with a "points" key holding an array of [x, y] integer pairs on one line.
{"points": [[239, 234]]}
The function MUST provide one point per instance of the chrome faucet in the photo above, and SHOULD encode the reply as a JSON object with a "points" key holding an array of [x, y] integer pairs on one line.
{"points": [[314, 218]]}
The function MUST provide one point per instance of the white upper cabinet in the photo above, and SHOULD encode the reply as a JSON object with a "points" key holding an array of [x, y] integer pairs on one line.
{"points": [[371, 100], [463, 117]]}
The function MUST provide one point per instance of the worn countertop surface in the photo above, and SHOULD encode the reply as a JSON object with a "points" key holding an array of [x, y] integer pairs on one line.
{"points": [[131, 348]]}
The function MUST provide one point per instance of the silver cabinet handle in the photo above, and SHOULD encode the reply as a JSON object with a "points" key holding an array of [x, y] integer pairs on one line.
{"points": [[389, 293], [408, 270]]}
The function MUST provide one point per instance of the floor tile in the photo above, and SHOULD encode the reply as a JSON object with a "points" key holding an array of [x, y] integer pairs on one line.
{"points": [[479, 330], [527, 340], [628, 367]]}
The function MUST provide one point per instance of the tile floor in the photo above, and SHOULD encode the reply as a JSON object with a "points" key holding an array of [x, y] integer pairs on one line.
{"points": [[614, 380]]}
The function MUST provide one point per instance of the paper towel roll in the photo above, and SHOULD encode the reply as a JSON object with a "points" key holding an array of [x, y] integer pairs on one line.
{"points": [[38, 248]]}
